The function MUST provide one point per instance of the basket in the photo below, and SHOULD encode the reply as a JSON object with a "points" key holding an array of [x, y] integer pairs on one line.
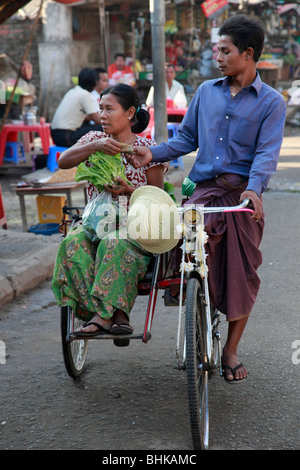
{"points": [[44, 229]]}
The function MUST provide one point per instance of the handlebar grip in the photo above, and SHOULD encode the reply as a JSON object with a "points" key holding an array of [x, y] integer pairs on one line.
{"points": [[247, 203]]}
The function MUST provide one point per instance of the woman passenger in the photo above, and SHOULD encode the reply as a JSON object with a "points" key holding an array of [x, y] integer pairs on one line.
{"points": [[100, 281]]}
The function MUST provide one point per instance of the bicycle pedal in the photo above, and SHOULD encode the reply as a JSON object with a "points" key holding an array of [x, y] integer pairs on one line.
{"points": [[121, 342]]}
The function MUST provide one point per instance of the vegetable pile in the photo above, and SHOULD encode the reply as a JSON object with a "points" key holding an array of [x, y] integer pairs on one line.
{"points": [[104, 170]]}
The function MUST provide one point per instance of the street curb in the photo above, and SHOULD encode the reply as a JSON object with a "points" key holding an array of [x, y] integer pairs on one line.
{"points": [[27, 273]]}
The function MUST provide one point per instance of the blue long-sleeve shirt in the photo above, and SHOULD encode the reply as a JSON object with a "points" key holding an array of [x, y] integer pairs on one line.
{"points": [[242, 135]]}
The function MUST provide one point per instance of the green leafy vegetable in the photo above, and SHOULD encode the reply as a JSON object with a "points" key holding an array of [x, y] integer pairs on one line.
{"points": [[169, 188], [104, 169]]}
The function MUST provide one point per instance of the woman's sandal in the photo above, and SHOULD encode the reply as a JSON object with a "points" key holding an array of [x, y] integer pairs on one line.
{"points": [[120, 328], [100, 330]]}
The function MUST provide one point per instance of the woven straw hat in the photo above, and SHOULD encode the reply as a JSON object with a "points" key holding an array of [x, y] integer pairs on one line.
{"points": [[153, 219]]}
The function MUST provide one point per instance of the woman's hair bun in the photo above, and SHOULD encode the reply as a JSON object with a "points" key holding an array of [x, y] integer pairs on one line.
{"points": [[142, 118]]}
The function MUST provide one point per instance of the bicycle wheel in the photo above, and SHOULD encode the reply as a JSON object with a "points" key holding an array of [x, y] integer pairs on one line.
{"points": [[74, 352], [197, 364]]}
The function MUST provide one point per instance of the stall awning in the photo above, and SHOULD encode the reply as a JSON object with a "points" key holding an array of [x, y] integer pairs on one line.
{"points": [[213, 8], [9, 7], [282, 9]]}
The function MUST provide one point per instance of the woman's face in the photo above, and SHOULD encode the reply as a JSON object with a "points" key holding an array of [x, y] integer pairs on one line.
{"points": [[113, 117]]}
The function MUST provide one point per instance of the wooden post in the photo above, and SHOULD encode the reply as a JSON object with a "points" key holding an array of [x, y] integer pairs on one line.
{"points": [[8, 106]]}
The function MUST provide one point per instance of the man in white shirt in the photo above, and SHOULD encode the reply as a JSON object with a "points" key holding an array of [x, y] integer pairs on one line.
{"points": [[174, 90], [68, 123]]}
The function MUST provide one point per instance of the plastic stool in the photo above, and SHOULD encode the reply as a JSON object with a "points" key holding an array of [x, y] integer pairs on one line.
{"points": [[172, 133], [172, 130], [12, 152], [53, 156]]}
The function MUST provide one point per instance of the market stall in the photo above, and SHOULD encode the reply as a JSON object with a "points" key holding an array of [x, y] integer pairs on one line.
{"points": [[280, 60], [189, 34]]}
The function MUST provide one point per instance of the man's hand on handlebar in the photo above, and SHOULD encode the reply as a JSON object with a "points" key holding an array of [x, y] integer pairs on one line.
{"points": [[256, 203]]}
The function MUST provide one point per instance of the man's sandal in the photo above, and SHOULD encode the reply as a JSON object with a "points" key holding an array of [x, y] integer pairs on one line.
{"points": [[232, 370]]}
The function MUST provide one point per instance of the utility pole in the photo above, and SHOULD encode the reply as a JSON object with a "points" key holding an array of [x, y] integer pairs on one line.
{"points": [[103, 32], [157, 11]]}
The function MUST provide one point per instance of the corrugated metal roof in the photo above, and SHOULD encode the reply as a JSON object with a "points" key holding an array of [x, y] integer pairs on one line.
{"points": [[30, 10], [22, 8], [8, 8]]}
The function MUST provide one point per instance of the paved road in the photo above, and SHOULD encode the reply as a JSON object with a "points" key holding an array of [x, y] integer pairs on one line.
{"points": [[134, 398]]}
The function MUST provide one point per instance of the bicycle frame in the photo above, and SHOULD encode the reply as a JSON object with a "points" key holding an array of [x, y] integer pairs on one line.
{"points": [[192, 226]]}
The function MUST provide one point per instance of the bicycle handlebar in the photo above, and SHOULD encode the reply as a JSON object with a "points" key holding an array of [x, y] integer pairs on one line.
{"points": [[240, 208]]}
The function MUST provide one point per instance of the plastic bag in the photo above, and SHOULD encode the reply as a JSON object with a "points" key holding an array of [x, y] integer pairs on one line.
{"points": [[100, 217], [188, 187]]}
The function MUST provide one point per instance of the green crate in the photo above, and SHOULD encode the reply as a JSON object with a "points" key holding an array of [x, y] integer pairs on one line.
{"points": [[182, 75], [146, 75]]}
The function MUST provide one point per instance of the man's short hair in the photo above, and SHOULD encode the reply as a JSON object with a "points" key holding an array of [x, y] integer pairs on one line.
{"points": [[120, 54], [87, 79], [245, 32], [99, 70]]}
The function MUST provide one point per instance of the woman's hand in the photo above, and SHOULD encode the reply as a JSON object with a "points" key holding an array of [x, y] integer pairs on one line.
{"points": [[80, 152], [257, 204], [120, 187], [109, 146]]}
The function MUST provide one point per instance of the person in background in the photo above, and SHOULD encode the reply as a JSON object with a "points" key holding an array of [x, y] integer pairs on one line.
{"points": [[174, 90], [236, 122], [101, 84], [119, 72], [77, 108]]}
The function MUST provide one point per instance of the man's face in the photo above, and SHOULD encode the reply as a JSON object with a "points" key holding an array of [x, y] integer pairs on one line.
{"points": [[230, 61], [102, 82], [170, 74], [120, 62]]}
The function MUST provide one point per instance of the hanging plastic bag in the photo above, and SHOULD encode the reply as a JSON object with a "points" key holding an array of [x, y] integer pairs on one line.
{"points": [[100, 217], [188, 187]]}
